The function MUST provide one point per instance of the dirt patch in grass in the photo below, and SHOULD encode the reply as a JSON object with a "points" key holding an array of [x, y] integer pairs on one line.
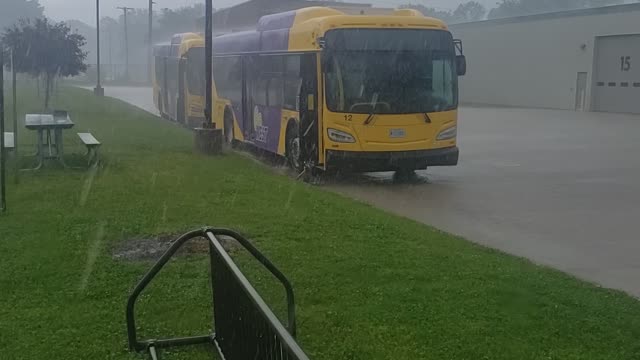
{"points": [[152, 247]]}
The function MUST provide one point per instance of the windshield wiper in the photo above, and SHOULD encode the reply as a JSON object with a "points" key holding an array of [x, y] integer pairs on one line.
{"points": [[427, 119], [374, 102]]}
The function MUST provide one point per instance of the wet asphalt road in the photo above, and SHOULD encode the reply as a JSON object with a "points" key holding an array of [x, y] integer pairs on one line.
{"points": [[561, 188], [141, 96]]}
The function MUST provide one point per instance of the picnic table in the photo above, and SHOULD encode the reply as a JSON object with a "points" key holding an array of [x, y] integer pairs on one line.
{"points": [[48, 146]]}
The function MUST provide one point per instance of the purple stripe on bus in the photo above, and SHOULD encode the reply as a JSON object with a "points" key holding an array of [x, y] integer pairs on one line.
{"points": [[272, 40], [275, 40], [267, 133], [277, 21], [272, 35], [237, 42]]}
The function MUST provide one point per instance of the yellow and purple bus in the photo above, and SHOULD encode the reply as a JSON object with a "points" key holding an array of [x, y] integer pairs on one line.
{"points": [[333, 91], [179, 80]]}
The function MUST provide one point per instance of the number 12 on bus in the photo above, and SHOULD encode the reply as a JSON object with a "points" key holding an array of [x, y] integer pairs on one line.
{"points": [[334, 91]]}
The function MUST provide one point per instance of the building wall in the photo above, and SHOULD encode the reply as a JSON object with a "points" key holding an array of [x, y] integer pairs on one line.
{"points": [[533, 61]]}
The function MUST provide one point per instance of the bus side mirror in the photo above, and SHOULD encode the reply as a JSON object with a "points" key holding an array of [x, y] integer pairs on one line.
{"points": [[461, 65]]}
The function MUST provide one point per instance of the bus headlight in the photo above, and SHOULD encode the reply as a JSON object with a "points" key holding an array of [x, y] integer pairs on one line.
{"points": [[447, 134], [340, 136]]}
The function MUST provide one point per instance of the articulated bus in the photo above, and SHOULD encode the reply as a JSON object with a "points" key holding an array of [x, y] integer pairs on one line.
{"points": [[331, 91], [179, 80]]}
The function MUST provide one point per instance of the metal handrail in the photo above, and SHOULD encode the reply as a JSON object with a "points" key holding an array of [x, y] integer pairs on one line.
{"points": [[291, 306], [286, 336]]}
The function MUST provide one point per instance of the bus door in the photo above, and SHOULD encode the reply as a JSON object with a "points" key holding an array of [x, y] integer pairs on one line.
{"points": [[308, 108]]}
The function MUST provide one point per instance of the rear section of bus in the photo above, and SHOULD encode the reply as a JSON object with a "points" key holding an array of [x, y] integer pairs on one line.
{"points": [[390, 86]]}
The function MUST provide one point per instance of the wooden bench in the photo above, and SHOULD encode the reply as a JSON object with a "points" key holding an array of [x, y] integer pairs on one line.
{"points": [[92, 145]]}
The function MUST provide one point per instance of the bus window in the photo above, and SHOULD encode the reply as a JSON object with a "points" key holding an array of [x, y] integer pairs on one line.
{"points": [[443, 82], [195, 72], [292, 66], [291, 93], [292, 81], [275, 92], [159, 70], [227, 72], [172, 74], [260, 92]]}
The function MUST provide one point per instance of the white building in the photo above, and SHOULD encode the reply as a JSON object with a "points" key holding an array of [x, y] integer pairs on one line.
{"points": [[583, 59]]}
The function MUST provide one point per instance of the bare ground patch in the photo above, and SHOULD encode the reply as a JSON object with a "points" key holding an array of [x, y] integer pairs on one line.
{"points": [[152, 247]]}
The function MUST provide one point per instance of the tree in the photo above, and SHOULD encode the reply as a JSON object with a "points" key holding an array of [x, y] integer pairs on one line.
{"points": [[180, 20], [470, 11], [429, 11], [508, 8], [46, 50], [12, 10]]}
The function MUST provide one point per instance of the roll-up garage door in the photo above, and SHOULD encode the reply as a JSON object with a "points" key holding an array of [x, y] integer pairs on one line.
{"points": [[616, 86]]}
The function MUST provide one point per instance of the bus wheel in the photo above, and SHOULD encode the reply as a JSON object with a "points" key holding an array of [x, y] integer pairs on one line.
{"points": [[405, 174], [228, 128], [293, 147]]}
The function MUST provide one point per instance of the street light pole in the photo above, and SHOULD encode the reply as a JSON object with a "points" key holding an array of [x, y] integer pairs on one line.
{"points": [[14, 84], [126, 41], [150, 42], [99, 91], [3, 153]]}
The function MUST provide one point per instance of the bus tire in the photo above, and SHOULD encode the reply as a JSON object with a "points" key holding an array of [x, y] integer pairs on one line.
{"points": [[292, 146], [405, 174], [228, 128]]}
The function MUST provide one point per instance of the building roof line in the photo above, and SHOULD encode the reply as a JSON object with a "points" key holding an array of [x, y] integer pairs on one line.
{"points": [[554, 15]]}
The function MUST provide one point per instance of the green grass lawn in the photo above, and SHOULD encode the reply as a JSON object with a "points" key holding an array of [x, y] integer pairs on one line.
{"points": [[369, 285]]}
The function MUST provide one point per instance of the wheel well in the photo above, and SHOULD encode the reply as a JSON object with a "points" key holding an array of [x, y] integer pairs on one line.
{"points": [[292, 123]]}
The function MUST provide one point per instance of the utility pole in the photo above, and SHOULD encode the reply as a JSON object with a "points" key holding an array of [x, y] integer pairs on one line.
{"points": [[99, 91], [150, 42], [3, 152], [14, 83], [126, 41], [111, 68]]}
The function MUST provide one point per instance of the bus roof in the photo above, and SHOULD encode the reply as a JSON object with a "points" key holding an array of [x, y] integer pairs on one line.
{"points": [[298, 30], [179, 45], [161, 49]]}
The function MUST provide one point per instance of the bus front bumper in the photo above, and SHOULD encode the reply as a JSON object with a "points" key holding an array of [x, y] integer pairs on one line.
{"points": [[391, 160]]}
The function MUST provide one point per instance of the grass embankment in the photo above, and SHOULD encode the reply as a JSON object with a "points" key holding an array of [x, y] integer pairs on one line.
{"points": [[369, 285]]}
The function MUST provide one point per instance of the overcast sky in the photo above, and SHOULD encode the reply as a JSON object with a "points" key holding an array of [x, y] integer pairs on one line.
{"points": [[84, 10]]}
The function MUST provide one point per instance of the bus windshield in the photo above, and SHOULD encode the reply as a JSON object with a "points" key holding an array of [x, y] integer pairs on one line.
{"points": [[390, 71]]}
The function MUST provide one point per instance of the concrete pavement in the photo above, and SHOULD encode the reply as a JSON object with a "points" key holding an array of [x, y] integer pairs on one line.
{"points": [[140, 96], [561, 188]]}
